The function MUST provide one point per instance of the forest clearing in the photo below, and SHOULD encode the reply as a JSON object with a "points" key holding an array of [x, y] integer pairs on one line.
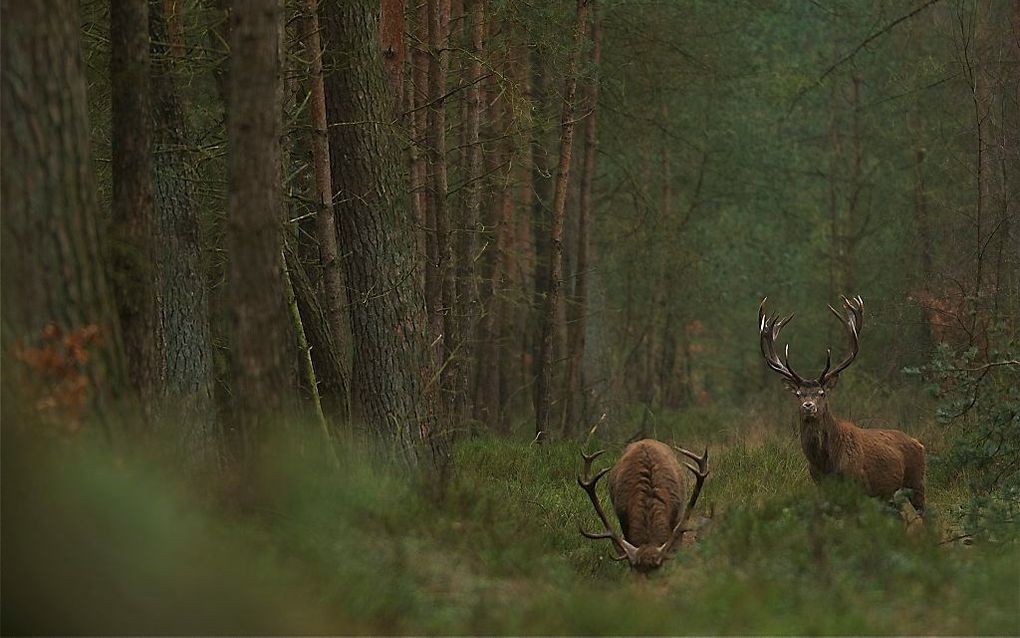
{"points": [[473, 317]]}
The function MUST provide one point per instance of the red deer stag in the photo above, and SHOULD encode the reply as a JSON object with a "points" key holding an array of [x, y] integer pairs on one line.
{"points": [[647, 486], [882, 460]]}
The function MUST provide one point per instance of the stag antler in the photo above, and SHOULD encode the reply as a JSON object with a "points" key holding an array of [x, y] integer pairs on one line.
{"points": [[588, 485], [700, 473], [853, 321], [768, 328]]}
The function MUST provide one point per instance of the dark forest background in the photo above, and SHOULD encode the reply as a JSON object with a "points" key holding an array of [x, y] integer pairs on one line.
{"points": [[346, 285]]}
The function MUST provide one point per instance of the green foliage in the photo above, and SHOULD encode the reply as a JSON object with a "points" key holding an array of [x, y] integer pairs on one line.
{"points": [[100, 544], [979, 408]]}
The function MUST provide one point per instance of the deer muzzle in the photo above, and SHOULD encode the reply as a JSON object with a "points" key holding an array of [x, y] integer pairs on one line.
{"points": [[809, 409]]}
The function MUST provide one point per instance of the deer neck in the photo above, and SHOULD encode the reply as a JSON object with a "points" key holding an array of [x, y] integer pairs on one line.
{"points": [[820, 441]]}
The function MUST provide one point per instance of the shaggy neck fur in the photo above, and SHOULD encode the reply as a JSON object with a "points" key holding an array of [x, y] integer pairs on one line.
{"points": [[821, 440]]}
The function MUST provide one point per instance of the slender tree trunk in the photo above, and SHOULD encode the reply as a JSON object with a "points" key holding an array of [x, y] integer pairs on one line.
{"points": [[419, 97], [325, 219], [834, 171], [579, 317], [135, 250], [261, 332], [330, 368], [53, 277], [307, 365], [444, 304], [493, 352], [854, 224], [183, 287], [391, 387], [539, 194], [550, 328], [467, 294], [174, 12], [921, 223]]}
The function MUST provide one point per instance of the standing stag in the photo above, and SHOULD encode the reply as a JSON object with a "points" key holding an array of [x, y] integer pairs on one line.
{"points": [[647, 486], [882, 460]]}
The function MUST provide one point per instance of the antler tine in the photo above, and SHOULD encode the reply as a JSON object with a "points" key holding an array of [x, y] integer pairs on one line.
{"points": [[828, 362], [852, 322], [769, 327], [786, 362], [588, 458], [700, 473], [589, 486]]}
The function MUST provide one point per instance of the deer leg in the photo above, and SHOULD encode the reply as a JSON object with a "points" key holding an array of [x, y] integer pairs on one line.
{"points": [[915, 481], [913, 473]]}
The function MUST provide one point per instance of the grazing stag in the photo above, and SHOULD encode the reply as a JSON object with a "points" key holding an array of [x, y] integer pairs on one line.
{"points": [[883, 461], [647, 486]]}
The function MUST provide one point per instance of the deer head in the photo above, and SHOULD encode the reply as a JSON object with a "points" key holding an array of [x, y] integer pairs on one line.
{"points": [[649, 556], [810, 392]]}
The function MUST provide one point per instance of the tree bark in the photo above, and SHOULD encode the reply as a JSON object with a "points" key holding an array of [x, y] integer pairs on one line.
{"points": [[394, 49], [551, 310], [491, 371], [331, 371], [391, 387], [135, 248], [52, 267], [325, 219], [442, 302], [419, 97], [183, 281], [255, 219], [579, 318], [467, 294]]}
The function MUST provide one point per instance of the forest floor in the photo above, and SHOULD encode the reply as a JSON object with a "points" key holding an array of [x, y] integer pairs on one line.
{"points": [[101, 544]]}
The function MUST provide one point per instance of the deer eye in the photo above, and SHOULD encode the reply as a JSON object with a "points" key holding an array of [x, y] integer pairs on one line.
{"points": [[821, 393]]}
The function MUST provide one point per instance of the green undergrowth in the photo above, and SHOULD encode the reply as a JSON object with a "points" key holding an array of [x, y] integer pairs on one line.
{"points": [[97, 543]]}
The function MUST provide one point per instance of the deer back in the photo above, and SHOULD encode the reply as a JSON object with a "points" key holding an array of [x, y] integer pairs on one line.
{"points": [[648, 488]]}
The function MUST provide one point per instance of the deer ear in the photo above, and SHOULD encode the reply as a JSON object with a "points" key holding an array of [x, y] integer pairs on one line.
{"points": [[790, 385], [830, 383]]}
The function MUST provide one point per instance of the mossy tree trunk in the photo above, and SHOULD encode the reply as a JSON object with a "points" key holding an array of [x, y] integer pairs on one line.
{"points": [[53, 270], [391, 387]]}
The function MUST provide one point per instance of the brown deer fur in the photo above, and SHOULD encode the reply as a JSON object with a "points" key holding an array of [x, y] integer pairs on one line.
{"points": [[648, 487], [883, 461]]}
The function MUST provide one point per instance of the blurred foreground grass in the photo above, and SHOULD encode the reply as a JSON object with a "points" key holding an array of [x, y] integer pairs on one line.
{"points": [[96, 543]]}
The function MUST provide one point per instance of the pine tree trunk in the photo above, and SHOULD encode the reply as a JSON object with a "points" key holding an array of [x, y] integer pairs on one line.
{"points": [[325, 219], [551, 310], [540, 195], [52, 268], [259, 320], [394, 49], [921, 223], [183, 280], [391, 390], [418, 95], [467, 310], [579, 319], [443, 304], [331, 371], [491, 373], [135, 248]]}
